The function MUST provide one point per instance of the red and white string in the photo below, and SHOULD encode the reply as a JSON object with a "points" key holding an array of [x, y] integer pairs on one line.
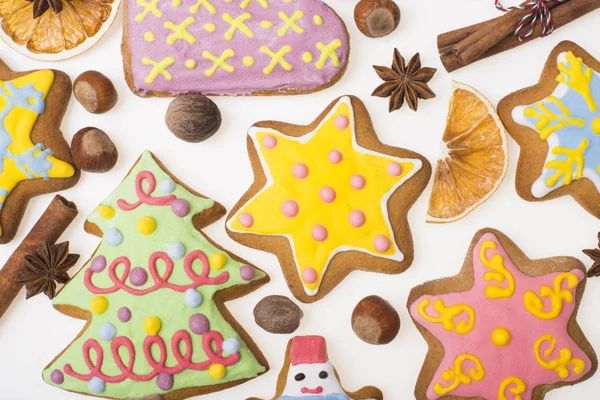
{"points": [[538, 10]]}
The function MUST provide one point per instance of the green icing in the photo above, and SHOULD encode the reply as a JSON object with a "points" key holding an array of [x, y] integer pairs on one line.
{"points": [[166, 304]]}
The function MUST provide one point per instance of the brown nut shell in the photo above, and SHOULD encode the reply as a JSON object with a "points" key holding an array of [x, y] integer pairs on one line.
{"points": [[377, 18], [375, 321], [193, 117], [278, 314], [93, 151], [95, 91]]}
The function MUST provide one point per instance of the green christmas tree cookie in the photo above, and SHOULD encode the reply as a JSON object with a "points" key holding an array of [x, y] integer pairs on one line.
{"points": [[153, 296]]}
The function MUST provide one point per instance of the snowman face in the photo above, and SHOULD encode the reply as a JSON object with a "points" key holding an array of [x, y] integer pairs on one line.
{"points": [[312, 380]]}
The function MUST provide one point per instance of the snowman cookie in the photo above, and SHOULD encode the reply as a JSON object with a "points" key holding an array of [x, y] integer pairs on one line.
{"points": [[307, 374]]}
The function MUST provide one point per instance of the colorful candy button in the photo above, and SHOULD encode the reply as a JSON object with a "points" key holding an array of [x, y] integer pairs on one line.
{"points": [[106, 212], [357, 218], [167, 186], [180, 207], [327, 194], [98, 264], [217, 371], [300, 170], [394, 169], [269, 142], [231, 346], [152, 325], [96, 385], [124, 314], [176, 250], [357, 182], [309, 275], [381, 243], [218, 261], [98, 305], [335, 156], [107, 331], [246, 219], [146, 225], [57, 377], [138, 276], [247, 272], [199, 324], [341, 122], [164, 381], [319, 233], [113, 237], [192, 298], [290, 208]]}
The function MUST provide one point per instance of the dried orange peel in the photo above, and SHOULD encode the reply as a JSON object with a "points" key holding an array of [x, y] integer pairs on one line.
{"points": [[56, 29], [474, 157]]}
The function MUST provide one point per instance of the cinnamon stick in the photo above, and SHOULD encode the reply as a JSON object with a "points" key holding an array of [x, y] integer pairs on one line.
{"points": [[562, 14], [53, 222]]}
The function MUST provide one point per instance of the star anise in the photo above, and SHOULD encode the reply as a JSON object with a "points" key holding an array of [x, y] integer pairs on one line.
{"points": [[41, 6], [594, 254], [47, 267], [404, 82]]}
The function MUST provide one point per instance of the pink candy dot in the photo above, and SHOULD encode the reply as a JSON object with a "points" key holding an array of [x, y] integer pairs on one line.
{"points": [[319, 233], [309, 275], [341, 122], [290, 208], [246, 219], [335, 156], [269, 142], [382, 243], [357, 218], [300, 170], [357, 181], [327, 194], [394, 169]]}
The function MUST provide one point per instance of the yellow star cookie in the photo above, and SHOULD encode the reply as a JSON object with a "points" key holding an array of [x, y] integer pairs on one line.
{"points": [[329, 197]]}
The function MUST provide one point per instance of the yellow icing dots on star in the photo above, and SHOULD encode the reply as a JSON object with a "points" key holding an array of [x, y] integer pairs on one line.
{"points": [[266, 24], [149, 36], [501, 337], [180, 31], [217, 261], [219, 62], [324, 193], [217, 371], [248, 61], [152, 325], [99, 305], [318, 20], [146, 225], [106, 212], [158, 68], [190, 64], [210, 27]]}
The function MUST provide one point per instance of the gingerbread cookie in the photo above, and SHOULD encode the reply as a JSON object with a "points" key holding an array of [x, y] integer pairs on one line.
{"points": [[557, 124], [504, 328], [307, 374], [153, 296], [329, 198], [242, 47], [34, 157]]}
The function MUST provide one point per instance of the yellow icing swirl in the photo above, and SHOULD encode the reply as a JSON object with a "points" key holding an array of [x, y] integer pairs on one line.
{"points": [[457, 376], [448, 314], [500, 274], [560, 364], [558, 296]]}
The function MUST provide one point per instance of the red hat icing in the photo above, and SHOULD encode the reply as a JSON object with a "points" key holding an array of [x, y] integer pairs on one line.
{"points": [[308, 350]]}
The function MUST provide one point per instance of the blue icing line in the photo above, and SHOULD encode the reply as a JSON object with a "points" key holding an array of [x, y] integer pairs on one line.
{"points": [[29, 163]]}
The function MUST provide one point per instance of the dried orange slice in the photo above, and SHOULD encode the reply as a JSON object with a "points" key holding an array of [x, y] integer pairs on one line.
{"points": [[474, 157], [53, 30]]}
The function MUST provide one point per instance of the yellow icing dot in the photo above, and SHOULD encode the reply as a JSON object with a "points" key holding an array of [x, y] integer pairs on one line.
{"points": [[266, 24], [596, 126], [210, 27], [146, 225], [218, 260], [248, 61], [318, 20], [190, 64], [176, 3], [217, 371], [152, 325], [501, 337], [98, 305], [307, 57], [149, 36], [106, 212]]}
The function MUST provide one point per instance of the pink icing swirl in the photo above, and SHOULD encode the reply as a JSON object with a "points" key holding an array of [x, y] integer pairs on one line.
{"points": [[184, 361], [145, 197], [159, 281]]}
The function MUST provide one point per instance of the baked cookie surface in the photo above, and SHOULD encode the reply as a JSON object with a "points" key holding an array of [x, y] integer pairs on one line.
{"points": [[329, 198], [504, 327], [232, 47], [557, 124], [153, 297], [34, 157]]}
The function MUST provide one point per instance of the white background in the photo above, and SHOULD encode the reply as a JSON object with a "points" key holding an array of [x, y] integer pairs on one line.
{"points": [[32, 332]]}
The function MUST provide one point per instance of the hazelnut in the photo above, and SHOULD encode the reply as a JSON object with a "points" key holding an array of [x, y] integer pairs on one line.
{"points": [[375, 321], [193, 117], [95, 92], [93, 151], [377, 18], [278, 314]]}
